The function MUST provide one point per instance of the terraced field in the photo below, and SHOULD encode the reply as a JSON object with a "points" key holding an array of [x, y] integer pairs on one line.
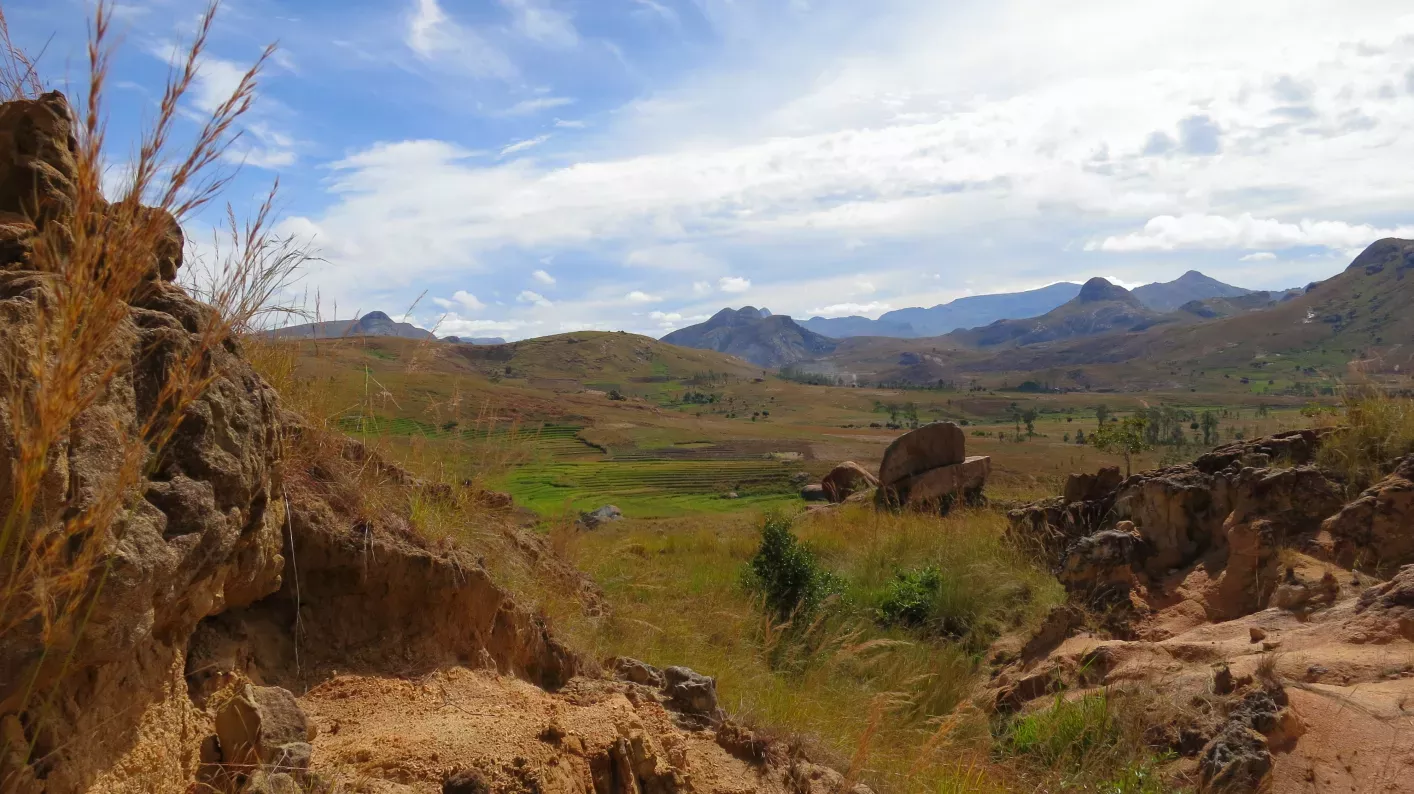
{"points": [[548, 439], [652, 488]]}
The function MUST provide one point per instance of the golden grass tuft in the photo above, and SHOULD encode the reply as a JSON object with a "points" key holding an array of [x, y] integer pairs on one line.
{"points": [[1377, 427]]}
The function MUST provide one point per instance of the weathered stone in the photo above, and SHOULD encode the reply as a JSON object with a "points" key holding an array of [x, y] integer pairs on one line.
{"points": [[847, 479], [1086, 487], [917, 451], [814, 493], [1102, 562], [594, 518], [636, 672], [691, 692], [1236, 761], [263, 727], [943, 486], [1377, 529]]}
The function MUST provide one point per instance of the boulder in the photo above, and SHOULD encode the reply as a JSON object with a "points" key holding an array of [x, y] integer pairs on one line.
{"points": [[928, 447], [847, 479], [1103, 562], [1377, 529], [691, 692], [263, 726], [1252, 571], [1392, 602], [1236, 760], [942, 487], [1085, 487], [594, 518], [814, 493]]}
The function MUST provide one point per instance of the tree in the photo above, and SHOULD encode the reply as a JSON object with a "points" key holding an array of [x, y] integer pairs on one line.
{"points": [[1102, 414], [1209, 423], [1126, 438], [1029, 417]]}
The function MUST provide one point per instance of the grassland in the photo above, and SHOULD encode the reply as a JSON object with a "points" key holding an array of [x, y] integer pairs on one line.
{"points": [[682, 432]]}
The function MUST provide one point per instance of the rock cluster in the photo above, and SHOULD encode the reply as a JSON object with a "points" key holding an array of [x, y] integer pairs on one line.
{"points": [[924, 469]]}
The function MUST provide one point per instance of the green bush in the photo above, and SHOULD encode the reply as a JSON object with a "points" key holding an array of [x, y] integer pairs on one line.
{"points": [[910, 596], [787, 573]]}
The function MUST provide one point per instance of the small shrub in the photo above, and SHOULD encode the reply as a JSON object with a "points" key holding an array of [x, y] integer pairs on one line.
{"points": [[787, 573], [909, 599], [1378, 428]]}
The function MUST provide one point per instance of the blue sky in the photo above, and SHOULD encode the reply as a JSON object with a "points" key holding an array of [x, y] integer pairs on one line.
{"points": [[538, 166]]}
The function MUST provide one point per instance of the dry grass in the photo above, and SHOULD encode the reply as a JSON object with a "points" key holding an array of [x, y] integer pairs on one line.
{"points": [[894, 702], [93, 258], [1377, 428]]}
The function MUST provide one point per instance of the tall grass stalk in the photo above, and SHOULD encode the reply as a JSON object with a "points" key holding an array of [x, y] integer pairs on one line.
{"points": [[97, 256]]}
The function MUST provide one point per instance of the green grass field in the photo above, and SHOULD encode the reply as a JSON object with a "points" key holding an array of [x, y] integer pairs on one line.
{"points": [[651, 488]]}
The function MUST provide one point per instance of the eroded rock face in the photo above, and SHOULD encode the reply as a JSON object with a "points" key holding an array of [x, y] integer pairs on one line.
{"points": [[847, 479], [1376, 530], [199, 533], [1085, 487]]}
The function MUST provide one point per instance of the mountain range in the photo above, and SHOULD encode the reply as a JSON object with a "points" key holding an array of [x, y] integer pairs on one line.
{"points": [[975, 311]]}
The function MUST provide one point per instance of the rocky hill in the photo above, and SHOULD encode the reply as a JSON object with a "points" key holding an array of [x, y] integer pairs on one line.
{"points": [[767, 341], [1099, 308], [1191, 286], [978, 310], [372, 324], [845, 327]]}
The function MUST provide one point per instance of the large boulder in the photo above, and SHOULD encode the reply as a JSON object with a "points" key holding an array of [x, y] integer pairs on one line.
{"points": [[603, 515], [263, 726], [1377, 529], [847, 479], [917, 451], [942, 487]]}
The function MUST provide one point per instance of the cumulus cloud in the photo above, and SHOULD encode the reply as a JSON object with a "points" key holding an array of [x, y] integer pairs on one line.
{"points": [[526, 296], [639, 296], [733, 284], [1259, 256], [851, 309], [701, 288], [460, 299], [1215, 232], [453, 325], [544, 278]]}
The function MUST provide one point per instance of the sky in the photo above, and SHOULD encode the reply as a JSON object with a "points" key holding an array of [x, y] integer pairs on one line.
{"points": [[519, 168]]}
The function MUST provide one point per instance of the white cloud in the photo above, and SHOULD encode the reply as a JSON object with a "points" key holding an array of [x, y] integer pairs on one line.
{"points": [[851, 309], [701, 288], [865, 287], [542, 24], [452, 325], [527, 107], [544, 278], [437, 38], [639, 296], [671, 317], [1215, 232], [570, 124], [1260, 256], [526, 296], [520, 146], [460, 299], [733, 284]]}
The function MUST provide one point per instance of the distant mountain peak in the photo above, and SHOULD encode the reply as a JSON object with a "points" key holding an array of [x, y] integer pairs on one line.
{"points": [[375, 316], [1098, 289], [755, 335], [1167, 296]]}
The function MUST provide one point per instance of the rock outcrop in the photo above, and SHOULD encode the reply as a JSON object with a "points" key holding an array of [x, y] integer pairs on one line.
{"points": [[1220, 595], [200, 532], [847, 479], [928, 469], [1377, 529]]}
